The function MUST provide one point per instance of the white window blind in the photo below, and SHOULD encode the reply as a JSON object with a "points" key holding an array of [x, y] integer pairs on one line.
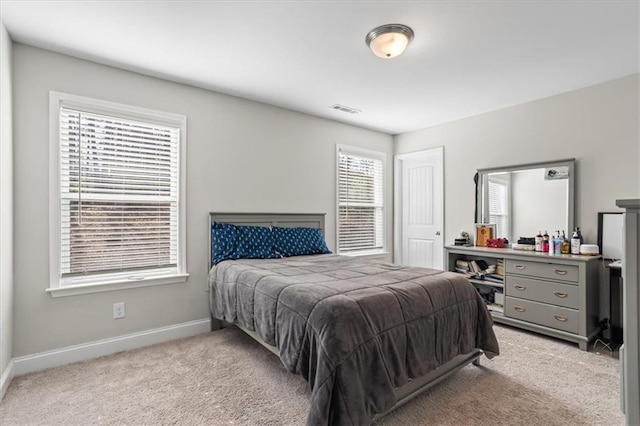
{"points": [[360, 202], [499, 206], [118, 195]]}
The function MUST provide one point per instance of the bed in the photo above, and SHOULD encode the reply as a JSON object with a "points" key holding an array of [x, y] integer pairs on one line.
{"points": [[367, 336]]}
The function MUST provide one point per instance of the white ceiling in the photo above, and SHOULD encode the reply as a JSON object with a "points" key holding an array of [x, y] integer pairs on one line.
{"points": [[468, 57]]}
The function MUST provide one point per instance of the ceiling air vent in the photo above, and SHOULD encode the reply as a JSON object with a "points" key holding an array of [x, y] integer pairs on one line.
{"points": [[343, 108]]}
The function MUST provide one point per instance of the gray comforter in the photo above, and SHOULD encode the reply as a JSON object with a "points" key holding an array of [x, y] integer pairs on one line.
{"points": [[355, 329]]}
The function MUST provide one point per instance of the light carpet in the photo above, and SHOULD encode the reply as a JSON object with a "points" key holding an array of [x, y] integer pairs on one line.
{"points": [[224, 377]]}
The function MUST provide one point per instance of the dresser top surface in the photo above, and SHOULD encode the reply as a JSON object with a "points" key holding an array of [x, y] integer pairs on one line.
{"points": [[633, 203], [511, 253]]}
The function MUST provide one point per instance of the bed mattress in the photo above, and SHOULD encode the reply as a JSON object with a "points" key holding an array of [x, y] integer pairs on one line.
{"points": [[355, 329]]}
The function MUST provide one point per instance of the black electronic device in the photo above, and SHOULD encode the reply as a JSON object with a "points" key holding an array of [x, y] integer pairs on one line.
{"points": [[610, 235], [527, 240]]}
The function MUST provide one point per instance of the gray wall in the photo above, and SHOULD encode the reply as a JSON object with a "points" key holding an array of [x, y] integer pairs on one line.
{"points": [[241, 156], [6, 201], [598, 126]]}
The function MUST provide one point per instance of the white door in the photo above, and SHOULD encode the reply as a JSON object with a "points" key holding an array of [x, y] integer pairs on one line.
{"points": [[419, 208]]}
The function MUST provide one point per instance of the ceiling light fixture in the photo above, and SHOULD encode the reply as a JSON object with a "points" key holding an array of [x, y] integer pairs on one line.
{"points": [[388, 41]]}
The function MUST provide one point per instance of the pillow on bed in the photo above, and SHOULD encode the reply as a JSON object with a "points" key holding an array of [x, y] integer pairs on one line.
{"points": [[254, 242], [299, 241], [223, 242]]}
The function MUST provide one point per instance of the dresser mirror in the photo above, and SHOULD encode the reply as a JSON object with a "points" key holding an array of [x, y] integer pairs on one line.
{"points": [[524, 199]]}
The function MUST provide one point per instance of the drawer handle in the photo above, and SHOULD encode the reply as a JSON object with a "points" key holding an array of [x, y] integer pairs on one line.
{"points": [[560, 318], [520, 287], [521, 267], [560, 271], [560, 294], [519, 308]]}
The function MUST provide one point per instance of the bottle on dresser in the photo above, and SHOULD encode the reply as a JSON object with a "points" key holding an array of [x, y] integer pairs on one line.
{"points": [[538, 241], [566, 245], [557, 243], [575, 241], [545, 242]]}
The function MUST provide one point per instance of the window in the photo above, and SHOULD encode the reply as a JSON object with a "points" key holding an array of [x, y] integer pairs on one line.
{"points": [[360, 200], [499, 204], [119, 217]]}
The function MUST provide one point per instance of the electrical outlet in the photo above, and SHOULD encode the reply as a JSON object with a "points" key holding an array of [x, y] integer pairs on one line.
{"points": [[118, 310]]}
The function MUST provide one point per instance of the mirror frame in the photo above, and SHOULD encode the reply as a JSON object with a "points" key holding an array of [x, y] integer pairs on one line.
{"points": [[483, 173]]}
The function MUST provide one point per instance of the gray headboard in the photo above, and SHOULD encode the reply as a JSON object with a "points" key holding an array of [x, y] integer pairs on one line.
{"points": [[285, 220]]}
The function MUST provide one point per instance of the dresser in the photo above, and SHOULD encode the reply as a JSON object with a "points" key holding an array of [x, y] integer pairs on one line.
{"points": [[630, 350], [552, 294]]}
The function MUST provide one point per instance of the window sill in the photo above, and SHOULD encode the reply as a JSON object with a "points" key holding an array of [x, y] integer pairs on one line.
{"points": [[74, 290]]}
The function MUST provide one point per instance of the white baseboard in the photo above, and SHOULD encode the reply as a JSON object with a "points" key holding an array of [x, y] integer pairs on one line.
{"points": [[85, 351], [5, 379]]}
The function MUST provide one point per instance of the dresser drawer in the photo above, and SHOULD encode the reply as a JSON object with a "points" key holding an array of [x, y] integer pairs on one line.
{"points": [[539, 313], [543, 291], [553, 271]]}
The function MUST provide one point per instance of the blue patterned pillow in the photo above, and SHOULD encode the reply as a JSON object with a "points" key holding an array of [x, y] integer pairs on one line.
{"points": [[223, 242], [299, 241], [254, 242]]}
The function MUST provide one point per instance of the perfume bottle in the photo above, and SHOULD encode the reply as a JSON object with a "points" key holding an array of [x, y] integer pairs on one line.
{"points": [[566, 245]]}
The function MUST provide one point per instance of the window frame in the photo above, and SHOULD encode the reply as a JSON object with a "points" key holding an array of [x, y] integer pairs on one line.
{"points": [[376, 155], [108, 281]]}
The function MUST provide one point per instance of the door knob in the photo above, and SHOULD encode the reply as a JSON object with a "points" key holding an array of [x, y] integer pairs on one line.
{"points": [[437, 232]]}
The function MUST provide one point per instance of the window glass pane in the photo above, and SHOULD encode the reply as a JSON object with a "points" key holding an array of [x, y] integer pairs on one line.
{"points": [[118, 194], [360, 200], [114, 236], [499, 206]]}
